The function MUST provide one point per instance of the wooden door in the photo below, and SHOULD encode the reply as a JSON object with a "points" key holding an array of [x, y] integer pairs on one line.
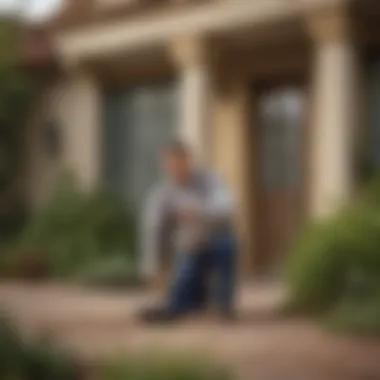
{"points": [[281, 143]]}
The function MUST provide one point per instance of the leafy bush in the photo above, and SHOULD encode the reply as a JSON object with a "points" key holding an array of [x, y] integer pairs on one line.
{"points": [[336, 263], [24, 359], [327, 254], [20, 90], [75, 229], [162, 368], [12, 219], [6, 260], [356, 315], [10, 347], [27, 359], [114, 272]]}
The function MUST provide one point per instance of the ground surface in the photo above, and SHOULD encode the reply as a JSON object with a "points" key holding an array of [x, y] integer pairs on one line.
{"points": [[261, 345]]}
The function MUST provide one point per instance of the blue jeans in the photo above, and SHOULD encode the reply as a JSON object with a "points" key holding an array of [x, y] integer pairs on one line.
{"points": [[190, 287]]}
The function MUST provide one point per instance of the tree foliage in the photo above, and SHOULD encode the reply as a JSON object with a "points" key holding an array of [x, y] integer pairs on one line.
{"points": [[18, 92]]}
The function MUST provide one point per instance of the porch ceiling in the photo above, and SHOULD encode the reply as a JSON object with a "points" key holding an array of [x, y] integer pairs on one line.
{"points": [[367, 21], [284, 32], [213, 19], [143, 65]]}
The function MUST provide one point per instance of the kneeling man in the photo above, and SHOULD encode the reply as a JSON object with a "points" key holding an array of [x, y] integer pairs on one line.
{"points": [[198, 209]]}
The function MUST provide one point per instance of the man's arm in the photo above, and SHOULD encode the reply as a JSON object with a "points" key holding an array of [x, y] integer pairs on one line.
{"points": [[219, 204], [152, 226]]}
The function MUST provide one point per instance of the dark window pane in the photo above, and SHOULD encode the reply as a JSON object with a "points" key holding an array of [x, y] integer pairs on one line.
{"points": [[138, 122], [280, 112]]}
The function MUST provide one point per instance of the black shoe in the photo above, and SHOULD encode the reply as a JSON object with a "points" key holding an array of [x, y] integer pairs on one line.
{"points": [[158, 315]]}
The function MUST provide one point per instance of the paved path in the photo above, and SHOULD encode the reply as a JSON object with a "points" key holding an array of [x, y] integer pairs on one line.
{"points": [[262, 345]]}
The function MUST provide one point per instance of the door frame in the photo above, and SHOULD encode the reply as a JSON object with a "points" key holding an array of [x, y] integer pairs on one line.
{"points": [[257, 87]]}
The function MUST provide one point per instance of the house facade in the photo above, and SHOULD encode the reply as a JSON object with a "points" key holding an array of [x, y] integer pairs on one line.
{"points": [[273, 94]]}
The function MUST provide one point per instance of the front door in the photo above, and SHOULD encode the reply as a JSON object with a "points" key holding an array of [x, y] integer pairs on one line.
{"points": [[281, 141]]}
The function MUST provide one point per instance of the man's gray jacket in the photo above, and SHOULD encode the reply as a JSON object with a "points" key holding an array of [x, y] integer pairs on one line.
{"points": [[212, 201]]}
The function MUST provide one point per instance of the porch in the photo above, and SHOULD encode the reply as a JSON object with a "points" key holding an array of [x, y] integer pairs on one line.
{"points": [[228, 65]]}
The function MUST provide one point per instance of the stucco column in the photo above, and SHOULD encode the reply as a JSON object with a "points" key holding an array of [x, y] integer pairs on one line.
{"points": [[334, 112], [192, 60], [232, 154], [80, 118]]}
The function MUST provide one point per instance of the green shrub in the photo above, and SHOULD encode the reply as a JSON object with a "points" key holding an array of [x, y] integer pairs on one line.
{"points": [[114, 272], [10, 347], [25, 359], [314, 274], [356, 315], [12, 219], [335, 264], [162, 368], [328, 254], [6, 261], [76, 228], [45, 361]]}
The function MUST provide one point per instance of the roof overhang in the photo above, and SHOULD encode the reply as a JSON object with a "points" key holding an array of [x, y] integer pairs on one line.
{"points": [[210, 19]]}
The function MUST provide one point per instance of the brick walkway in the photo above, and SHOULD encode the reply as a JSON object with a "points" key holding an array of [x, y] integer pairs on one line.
{"points": [[262, 345]]}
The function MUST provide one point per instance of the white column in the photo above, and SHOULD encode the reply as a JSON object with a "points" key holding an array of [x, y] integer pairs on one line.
{"points": [[334, 113], [80, 117], [192, 60]]}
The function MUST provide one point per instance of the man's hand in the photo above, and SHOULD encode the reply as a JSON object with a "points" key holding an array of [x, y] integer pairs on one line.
{"points": [[188, 213], [156, 281]]}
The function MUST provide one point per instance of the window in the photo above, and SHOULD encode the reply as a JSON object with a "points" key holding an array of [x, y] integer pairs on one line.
{"points": [[138, 122], [280, 113]]}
